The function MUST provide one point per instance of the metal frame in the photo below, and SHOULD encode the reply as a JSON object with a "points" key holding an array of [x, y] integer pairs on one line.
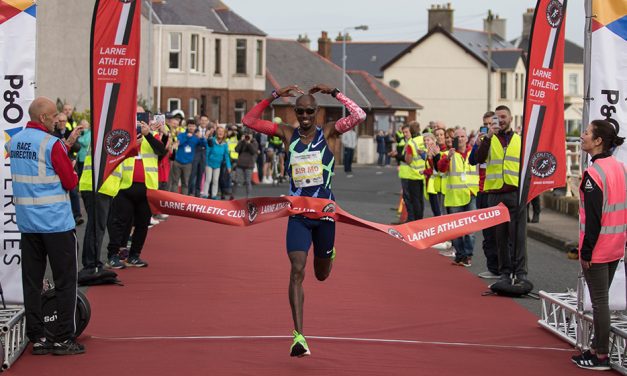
{"points": [[562, 317], [13, 334]]}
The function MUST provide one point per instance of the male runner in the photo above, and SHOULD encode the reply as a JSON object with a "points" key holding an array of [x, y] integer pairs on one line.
{"points": [[307, 145]]}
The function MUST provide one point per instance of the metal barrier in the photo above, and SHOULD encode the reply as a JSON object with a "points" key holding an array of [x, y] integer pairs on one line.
{"points": [[13, 334]]}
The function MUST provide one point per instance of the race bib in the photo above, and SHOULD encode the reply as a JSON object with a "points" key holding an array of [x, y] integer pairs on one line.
{"points": [[307, 169]]}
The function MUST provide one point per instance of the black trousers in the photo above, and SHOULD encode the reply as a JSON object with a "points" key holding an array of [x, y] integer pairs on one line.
{"points": [[198, 170], [96, 226], [130, 207], [489, 238], [511, 237], [61, 249], [413, 198]]}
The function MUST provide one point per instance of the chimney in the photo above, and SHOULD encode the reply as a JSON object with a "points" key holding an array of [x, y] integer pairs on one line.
{"points": [[527, 21], [304, 40], [324, 46], [441, 15], [498, 26]]}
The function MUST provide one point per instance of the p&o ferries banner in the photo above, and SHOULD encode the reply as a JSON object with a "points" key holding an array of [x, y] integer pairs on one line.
{"points": [[17, 91], [608, 72]]}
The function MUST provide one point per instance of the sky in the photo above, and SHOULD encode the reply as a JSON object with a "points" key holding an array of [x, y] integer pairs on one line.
{"points": [[390, 20]]}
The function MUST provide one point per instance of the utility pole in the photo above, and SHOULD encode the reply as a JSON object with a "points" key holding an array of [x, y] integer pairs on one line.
{"points": [[489, 22]]}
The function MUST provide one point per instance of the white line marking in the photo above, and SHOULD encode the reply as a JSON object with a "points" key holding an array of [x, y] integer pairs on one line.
{"points": [[380, 340]]}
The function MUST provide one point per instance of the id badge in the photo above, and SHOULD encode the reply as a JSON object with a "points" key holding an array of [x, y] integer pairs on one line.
{"points": [[188, 149], [463, 177]]}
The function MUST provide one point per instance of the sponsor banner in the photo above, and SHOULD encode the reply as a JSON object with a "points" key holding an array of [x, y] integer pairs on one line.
{"points": [[608, 76], [115, 40], [543, 159], [17, 78], [420, 234]]}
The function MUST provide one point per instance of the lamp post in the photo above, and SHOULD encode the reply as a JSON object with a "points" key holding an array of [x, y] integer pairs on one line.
{"points": [[344, 32]]}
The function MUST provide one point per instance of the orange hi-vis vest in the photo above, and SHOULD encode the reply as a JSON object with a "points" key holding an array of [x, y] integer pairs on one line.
{"points": [[611, 176]]}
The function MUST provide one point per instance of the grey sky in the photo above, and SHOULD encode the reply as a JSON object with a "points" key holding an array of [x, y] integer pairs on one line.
{"points": [[391, 20]]}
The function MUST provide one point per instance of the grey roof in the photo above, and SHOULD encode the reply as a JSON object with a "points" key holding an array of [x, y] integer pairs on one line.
{"points": [[381, 95], [290, 63], [474, 42], [573, 53], [507, 59], [367, 56], [212, 14]]}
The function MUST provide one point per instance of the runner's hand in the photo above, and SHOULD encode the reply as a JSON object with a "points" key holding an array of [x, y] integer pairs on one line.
{"points": [[289, 91], [324, 89]]}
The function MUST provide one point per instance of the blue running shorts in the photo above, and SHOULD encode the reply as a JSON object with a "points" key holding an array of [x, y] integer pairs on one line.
{"points": [[302, 231]]}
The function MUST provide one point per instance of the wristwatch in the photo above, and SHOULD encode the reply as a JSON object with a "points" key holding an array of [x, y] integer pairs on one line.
{"points": [[334, 92], [275, 95]]}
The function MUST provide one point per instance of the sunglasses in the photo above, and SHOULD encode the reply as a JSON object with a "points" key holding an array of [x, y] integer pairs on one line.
{"points": [[308, 110]]}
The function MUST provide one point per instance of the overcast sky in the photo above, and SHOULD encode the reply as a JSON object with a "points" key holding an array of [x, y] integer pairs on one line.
{"points": [[391, 20]]}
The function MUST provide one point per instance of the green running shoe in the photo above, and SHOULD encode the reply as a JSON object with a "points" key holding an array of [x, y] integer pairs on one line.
{"points": [[299, 346]]}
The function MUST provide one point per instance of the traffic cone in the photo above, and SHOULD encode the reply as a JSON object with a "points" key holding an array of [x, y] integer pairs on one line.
{"points": [[402, 218], [255, 177]]}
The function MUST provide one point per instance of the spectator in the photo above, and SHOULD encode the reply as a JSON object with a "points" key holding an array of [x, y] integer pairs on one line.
{"points": [[181, 167], [84, 140], [501, 150], [246, 149], [432, 175], [68, 111], [199, 160], [43, 215], [489, 240], [349, 141], [217, 155], [462, 185], [131, 204], [70, 138], [380, 140]]}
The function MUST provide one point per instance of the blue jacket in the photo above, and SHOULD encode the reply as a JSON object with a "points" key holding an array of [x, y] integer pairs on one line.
{"points": [[187, 147], [217, 153]]}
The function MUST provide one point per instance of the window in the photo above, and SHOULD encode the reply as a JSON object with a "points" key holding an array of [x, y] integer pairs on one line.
{"points": [[240, 56], [259, 57], [174, 104], [193, 107], [203, 53], [572, 84], [522, 86], [175, 51], [240, 110], [503, 85], [218, 56], [516, 87], [194, 53], [215, 108]]}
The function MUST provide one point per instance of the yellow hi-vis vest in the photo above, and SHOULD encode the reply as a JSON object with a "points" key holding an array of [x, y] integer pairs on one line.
{"points": [[232, 143], [437, 181], [404, 171], [503, 166], [111, 185], [151, 167], [417, 165], [462, 181]]}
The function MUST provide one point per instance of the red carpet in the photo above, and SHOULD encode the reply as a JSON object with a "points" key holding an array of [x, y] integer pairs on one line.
{"points": [[206, 280]]}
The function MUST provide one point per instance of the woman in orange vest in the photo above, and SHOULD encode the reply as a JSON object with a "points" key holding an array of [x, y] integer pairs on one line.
{"points": [[602, 231]]}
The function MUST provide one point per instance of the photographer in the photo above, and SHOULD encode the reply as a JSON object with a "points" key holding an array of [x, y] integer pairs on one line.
{"points": [[247, 150]]}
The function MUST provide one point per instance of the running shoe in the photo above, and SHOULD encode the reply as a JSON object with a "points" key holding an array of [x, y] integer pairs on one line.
{"points": [[41, 347], [592, 362], [333, 254], [299, 346], [67, 347], [114, 263], [135, 262]]}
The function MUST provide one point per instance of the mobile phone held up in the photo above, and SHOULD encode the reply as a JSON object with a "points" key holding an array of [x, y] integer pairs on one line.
{"points": [[160, 120], [143, 116], [483, 129], [455, 143]]}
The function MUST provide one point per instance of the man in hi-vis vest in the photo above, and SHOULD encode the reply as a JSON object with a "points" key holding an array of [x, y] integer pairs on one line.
{"points": [[462, 185], [130, 206], [42, 176], [500, 149]]}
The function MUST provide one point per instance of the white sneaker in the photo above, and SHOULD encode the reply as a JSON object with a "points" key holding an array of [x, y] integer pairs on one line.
{"points": [[488, 275], [448, 253], [153, 222]]}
